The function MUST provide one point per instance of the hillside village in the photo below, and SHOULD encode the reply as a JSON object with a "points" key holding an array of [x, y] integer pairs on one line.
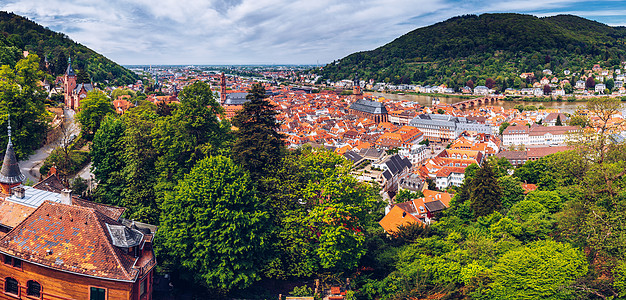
{"points": [[596, 81]]}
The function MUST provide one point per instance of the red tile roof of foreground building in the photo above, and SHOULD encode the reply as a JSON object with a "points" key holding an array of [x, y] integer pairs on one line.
{"points": [[74, 239]]}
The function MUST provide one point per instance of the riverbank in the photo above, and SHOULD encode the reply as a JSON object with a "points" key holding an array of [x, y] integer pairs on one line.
{"points": [[556, 99], [432, 95]]}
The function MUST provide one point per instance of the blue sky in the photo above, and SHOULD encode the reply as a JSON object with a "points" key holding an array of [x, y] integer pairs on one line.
{"points": [[265, 31]]}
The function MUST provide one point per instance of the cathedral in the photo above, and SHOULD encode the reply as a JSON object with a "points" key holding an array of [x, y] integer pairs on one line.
{"points": [[74, 92]]}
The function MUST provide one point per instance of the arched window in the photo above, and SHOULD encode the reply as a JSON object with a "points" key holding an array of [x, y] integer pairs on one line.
{"points": [[11, 286], [33, 288]]}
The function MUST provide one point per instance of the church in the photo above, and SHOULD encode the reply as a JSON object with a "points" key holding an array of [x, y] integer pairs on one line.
{"points": [[73, 92], [55, 245]]}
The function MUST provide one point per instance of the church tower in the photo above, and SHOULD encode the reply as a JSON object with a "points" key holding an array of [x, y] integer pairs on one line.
{"points": [[10, 174], [222, 88], [69, 84], [356, 86]]}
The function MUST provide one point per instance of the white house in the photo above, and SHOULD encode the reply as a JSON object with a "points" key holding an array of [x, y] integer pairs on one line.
{"points": [[600, 87]]}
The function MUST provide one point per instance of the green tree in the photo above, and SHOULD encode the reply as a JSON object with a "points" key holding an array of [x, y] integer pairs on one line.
{"points": [[549, 199], [214, 226], [23, 98], [191, 133], [323, 214], [512, 191], [610, 84], [485, 191], [568, 89], [558, 121], [541, 270], [93, 109], [503, 126], [406, 195], [258, 146]]}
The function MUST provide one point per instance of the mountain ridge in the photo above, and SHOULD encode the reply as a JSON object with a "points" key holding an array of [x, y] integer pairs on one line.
{"points": [[20, 33], [486, 45]]}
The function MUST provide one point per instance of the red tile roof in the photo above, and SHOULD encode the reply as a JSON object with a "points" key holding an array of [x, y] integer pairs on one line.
{"points": [[73, 239]]}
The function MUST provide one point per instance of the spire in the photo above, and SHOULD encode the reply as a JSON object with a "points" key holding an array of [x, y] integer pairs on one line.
{"points": [[69, 71], [10, 172], [9, 128]]}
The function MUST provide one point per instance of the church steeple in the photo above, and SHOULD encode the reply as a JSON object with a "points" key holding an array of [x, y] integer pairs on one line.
{"points": [[10, 174], [70, 70]]}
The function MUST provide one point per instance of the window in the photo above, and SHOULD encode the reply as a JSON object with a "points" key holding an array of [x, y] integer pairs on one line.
{"points": [[15, 262], [97, 293], [142, 287], [11, 286], [33, 289]]}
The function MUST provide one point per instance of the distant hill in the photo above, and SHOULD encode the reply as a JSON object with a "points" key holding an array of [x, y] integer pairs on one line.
{"points": [[18, 33], [489, 45]]}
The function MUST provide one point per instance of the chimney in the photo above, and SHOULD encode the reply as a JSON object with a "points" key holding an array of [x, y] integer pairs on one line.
{"points": [[19, 192], [66, 196]]}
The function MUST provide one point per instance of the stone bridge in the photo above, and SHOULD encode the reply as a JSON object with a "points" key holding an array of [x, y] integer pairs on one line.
{"points": [[476, 101]]}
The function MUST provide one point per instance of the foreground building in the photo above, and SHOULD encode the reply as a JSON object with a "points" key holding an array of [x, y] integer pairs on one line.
{"points": [[57, 246]]}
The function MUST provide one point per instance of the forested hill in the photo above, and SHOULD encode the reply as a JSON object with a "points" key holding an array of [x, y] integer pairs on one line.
{"points": [[19, 33], [487, 45]]}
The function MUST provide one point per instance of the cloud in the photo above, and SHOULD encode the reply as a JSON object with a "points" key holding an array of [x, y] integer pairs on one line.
{"points": [[255, 31]]}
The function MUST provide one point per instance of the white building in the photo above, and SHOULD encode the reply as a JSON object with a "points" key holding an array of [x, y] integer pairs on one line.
{"points": [[537, 135], [416, 154]]}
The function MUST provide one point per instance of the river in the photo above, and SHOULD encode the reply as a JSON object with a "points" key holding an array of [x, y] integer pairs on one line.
{"points": [[564, 106]]}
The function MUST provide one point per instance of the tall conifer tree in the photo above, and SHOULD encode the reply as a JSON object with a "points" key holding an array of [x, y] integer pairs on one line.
{"points": [[258, 145], [485, 191]]}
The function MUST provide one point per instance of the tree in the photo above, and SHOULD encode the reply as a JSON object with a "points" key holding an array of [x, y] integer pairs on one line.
{"points": [[322, 213], [470, 84], [406, 195], [258, 146], [214, 226], [23, 98], [541, 270], [567, 88], [610, 84], [579, 120], [503, 126], [558, 121], [191, 133], [590, 83], [490, 83], [549, 199], [485, 192], [511, 189], [547, 90], [92, 111]]}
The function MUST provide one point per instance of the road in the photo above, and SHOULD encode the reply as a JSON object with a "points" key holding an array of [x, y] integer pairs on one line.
{"points": [[30, 167]]}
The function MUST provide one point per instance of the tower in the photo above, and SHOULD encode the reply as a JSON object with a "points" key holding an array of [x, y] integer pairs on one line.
{"points": [[222, 88], [10, 174], [69, 84], [356, 86]]}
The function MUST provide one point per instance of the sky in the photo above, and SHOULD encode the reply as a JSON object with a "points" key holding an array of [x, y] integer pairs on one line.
{"points": [[227, 32]]}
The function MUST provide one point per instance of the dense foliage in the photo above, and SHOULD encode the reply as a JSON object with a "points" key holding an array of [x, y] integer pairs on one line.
{"points": [[23, 98], [19, 33], [562, 241], [491, 47], [215, 226]]}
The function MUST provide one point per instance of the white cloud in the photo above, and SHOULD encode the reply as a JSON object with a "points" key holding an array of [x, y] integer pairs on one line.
{"points": [[247, 31]]}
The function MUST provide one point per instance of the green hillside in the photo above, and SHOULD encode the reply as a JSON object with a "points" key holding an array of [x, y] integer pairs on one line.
{"points": [[18, 33], [489, 45]]}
